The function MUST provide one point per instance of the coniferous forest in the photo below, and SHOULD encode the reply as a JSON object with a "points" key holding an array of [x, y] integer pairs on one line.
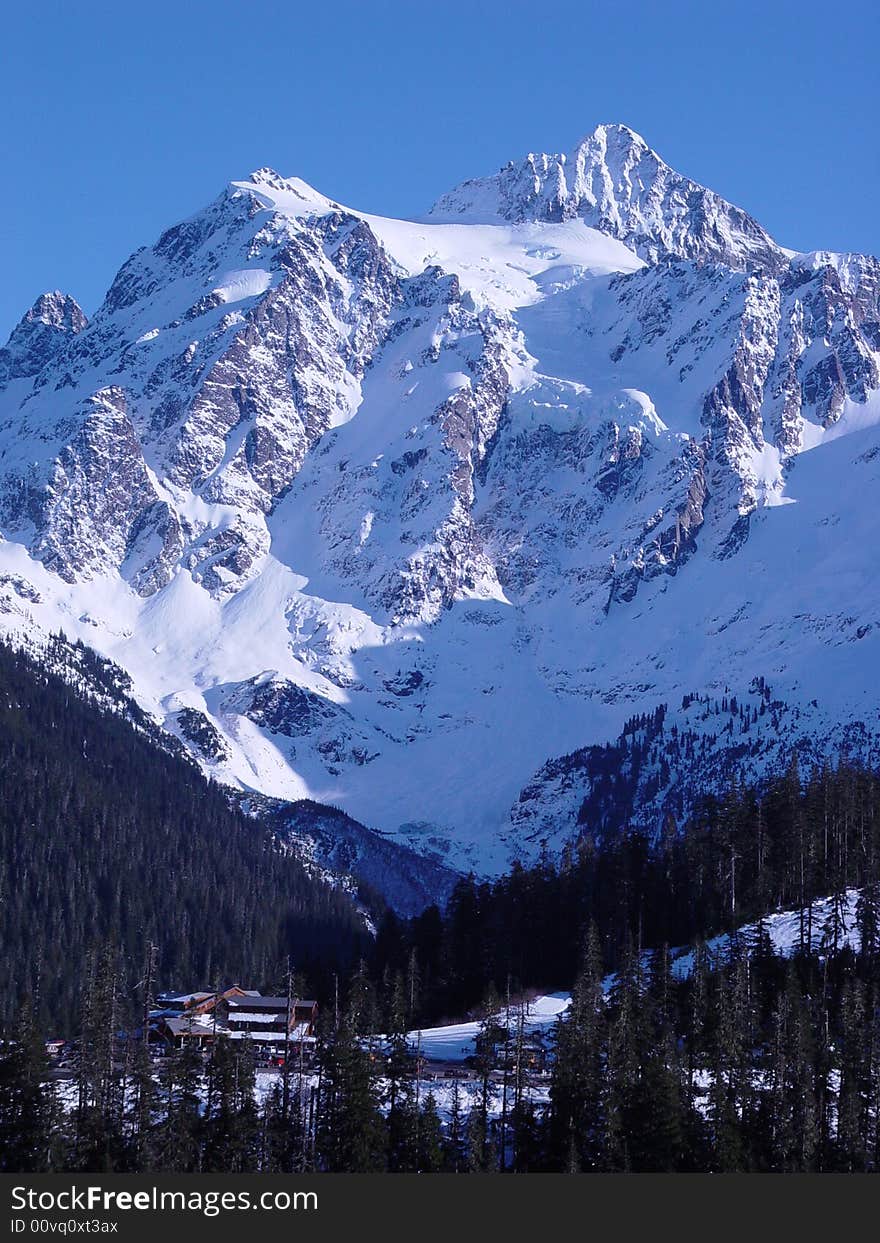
{"points": [[108, 840], [748, 1061]]}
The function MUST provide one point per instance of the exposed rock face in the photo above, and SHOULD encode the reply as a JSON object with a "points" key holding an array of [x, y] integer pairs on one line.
{"points": [[223, 394], [97, 494], [474, 490], [40, 336], [281, 707], [207, 741], [614, 182]]}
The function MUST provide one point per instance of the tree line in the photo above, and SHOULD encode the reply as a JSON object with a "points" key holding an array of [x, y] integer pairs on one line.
{"points": [[748, 1061]]}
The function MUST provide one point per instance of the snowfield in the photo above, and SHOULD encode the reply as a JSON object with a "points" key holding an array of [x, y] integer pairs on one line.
{"points": [[455, 1043]]}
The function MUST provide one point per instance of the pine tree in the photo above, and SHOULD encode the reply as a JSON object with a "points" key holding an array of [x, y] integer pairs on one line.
{"points": [[853, 1084], [528, 1148], [182, 1131], [99, 1141], [231, 1128], [726, 1086], [575, 1089], [622, 1061], [492, 1033], [430, 1138], [868, 922], [455, 1142], [482, 1157], [350, 1135], [143, 1114], [28, 1109]]}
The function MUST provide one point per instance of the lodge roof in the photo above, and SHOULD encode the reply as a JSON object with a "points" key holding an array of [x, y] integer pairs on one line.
{"points": [[196, 1025], [268, 1003], [166, 998]]}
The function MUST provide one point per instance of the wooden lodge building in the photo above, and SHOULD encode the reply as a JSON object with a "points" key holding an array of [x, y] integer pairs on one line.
{"points": [[201, 1018]]}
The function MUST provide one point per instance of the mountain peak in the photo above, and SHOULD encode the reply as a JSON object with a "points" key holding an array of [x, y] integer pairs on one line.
{"points": [[289, 195], [266, 176], [40, 335], [615, 131], [56, 310], [616, 183]]}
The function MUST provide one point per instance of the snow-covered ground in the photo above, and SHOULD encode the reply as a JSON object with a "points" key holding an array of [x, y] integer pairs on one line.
{"points": [[455, 1043], [784, 931]]}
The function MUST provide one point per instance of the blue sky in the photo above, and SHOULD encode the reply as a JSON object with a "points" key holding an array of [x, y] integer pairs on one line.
{"points": [[120, 119]]}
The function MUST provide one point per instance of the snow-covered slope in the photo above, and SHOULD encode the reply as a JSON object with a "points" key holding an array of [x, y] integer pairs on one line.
{"points": [[833, 925], [401, 515]]}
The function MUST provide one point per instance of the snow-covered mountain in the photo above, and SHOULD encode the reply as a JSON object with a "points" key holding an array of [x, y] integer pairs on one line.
{"points": [[409, 517], [614, 182]]}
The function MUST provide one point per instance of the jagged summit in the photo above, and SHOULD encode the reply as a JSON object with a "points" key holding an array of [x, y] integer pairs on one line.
{"points": [[269, 177], [58, 310], [40, 335], [614, 137], [616, 183], [290, 196]]}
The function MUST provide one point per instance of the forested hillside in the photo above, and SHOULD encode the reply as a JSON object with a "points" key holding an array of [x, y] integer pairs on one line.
{"points": [[801, 838], [107, 839]]}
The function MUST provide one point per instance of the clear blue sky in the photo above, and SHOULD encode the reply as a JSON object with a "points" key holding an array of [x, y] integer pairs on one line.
{"points": [[119, 119]]}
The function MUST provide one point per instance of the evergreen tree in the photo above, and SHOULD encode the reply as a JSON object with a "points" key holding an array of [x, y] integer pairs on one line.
{"points": [[576, 1086], [99, 1139], [181, 1134], [350, 1134], [230, 1131], [430, 1138], [455, 1141], [28, 1110]]}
